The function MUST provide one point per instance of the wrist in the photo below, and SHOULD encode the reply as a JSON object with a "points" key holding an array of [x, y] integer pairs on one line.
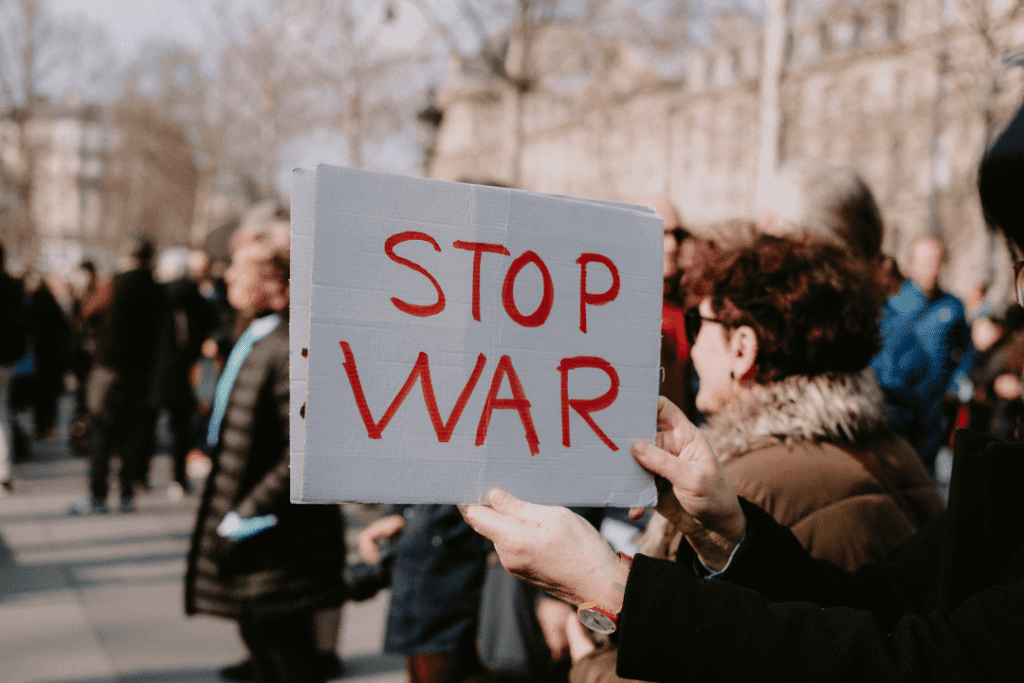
{"points": [[715, 549], [601, 613]]}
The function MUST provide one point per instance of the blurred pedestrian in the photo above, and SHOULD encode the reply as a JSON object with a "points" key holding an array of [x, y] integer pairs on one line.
{"points": [[119, 391], [13, 341], [256, 558], [996, 406], [92, 297], [677, 382], [50, 335], [210, 288], [190, 320], [437, 567], [937, 320]]}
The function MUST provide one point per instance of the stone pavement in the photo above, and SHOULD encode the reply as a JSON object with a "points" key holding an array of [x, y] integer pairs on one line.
{"points": [[99, 599]]}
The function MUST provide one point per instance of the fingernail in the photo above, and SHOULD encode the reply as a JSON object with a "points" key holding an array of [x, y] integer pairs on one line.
{"points": [[463, 508], [639, 446]]}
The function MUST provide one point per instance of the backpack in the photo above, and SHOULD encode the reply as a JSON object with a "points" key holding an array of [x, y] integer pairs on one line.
{"points": [[14, 321]]}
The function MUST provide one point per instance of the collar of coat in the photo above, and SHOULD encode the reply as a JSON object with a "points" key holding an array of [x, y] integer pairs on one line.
{"points": [[836, 407], [832, 407]]}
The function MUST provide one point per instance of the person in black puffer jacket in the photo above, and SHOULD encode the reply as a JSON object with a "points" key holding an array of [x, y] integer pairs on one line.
{"points": [[255, 557]]}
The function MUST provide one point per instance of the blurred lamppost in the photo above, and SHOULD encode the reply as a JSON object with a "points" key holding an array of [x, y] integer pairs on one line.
{"points": [[429, 117]]}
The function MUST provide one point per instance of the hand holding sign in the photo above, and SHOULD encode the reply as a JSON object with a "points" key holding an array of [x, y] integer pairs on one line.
{"points": [[551, 547], [693, 492]]}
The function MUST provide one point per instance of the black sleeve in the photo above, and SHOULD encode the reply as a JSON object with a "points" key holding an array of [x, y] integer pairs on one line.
{"points": [[773, 562], [674, 623], [273, 491]]}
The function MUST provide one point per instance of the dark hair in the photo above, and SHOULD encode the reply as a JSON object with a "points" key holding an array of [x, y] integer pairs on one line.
{"points": [[1000, 178], [813, 308], [142, 249]]}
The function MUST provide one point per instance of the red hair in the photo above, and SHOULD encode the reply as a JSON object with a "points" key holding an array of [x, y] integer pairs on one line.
{"points": [[813, 307]]}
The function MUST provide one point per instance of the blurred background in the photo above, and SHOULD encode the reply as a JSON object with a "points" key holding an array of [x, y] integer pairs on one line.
{"points": [[170, 118]]}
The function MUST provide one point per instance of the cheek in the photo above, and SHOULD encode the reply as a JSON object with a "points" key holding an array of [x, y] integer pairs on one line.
{"points": [[713, 379]]}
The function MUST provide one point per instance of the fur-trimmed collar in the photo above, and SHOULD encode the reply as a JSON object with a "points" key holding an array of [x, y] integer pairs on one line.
{"points": [[836, 407], [843, 408]]}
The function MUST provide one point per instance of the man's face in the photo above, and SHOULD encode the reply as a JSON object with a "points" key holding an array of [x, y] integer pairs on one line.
{"points": [[253, 284], [926, 260]]}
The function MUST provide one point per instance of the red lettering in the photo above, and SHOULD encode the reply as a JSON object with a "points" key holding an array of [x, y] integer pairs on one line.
{"points": [[518, 403], [420, 311], [420, 370], [538, 317], [592, 298], [587, 406], [478, 249]]}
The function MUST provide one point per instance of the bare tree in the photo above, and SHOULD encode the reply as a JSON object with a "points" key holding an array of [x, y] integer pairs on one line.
{"points": [[523, 48], [366, 88], [151, 179], [985, 55]]}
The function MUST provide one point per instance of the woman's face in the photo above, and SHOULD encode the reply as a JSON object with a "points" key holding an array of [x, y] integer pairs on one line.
{"points": [[712, 359]]}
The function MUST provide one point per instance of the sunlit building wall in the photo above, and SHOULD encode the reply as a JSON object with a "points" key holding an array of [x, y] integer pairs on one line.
{"points": [[897, 91]]}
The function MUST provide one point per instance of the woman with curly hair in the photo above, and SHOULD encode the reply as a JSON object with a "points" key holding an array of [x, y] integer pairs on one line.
{"points": [[782, 331]]}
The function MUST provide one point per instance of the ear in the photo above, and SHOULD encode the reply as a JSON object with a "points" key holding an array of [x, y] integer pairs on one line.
{"points": [[743, 351]]}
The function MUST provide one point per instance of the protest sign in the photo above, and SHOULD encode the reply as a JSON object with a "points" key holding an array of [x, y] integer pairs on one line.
{"points": [[459, 337]]}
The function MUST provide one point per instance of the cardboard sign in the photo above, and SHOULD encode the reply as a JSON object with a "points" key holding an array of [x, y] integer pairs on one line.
{"points": [[462, 337]]}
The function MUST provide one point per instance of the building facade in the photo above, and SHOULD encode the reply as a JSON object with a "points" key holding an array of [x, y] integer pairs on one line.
{"points": [[905, 93], [78, 179]]}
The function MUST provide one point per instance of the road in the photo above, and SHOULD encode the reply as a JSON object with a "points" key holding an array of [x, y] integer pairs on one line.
{"points": [[99, 599]]}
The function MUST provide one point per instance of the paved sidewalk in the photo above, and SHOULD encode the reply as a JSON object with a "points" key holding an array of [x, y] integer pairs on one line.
{"points": [[99, 599]]}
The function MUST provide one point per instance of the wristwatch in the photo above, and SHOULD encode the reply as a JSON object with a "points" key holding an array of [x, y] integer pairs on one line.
{"points": [[599, 615]]}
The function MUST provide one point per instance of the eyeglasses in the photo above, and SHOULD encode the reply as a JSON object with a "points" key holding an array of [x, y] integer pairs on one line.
{"points": [[1018, 281], [679, 234], [692, 320]]}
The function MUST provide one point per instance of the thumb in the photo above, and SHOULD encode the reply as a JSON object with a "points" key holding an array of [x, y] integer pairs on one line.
{"points": [[654, 459], [504, 502], [491, 521]]}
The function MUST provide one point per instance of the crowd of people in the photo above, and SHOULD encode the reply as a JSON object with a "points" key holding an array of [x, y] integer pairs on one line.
{"points": [[808, 388]]}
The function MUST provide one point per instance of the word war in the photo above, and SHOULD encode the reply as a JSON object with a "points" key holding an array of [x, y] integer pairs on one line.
{"points": [[519, 402]]}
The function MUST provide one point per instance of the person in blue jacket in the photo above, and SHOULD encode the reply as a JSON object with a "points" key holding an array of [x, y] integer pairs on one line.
{"points": [[937, 321]]}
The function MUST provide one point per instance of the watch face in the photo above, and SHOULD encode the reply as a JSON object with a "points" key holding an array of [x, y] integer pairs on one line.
{"points": [[596, 621]]}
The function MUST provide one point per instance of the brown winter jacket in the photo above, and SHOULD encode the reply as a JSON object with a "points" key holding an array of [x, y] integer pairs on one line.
{"points": [[292, 567], [816, 455]]}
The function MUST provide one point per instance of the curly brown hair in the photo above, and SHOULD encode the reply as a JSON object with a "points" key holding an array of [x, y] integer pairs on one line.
{"points": [[813, 307]]}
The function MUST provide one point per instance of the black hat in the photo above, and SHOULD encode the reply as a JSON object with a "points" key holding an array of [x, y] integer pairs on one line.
{"points": [[1001, 181]]}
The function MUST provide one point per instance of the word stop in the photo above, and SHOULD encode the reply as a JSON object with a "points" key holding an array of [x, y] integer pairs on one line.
{"points": [[535, 319]]}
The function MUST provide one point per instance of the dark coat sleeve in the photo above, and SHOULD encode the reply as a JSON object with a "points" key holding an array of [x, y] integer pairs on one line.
{"points": [[273, 491], [674, 622]]}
